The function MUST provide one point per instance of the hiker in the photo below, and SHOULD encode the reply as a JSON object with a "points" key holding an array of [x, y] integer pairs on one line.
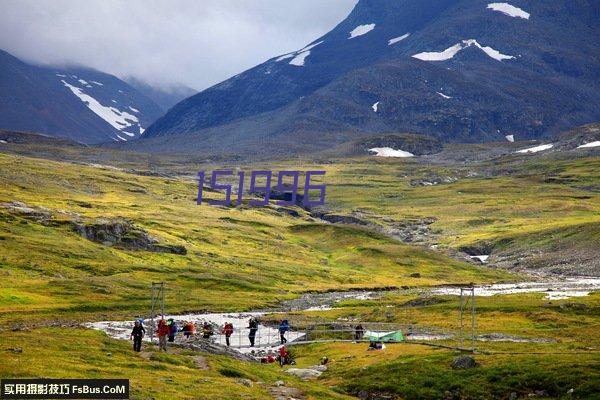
{"points": [[283, 354], [253, 326], [376, 345], [137, 333], [359, 332], [189, 329], [163, 332], [283, 328], [228, 330], [172, 330], [207, 331]]}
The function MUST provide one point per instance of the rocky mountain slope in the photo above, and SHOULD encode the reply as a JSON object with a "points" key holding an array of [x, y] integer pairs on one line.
{"points": [[164, 97], [461, 71], [75, 103]]}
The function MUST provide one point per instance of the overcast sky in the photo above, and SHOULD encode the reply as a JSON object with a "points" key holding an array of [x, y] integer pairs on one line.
{"points": [[197, 43]]}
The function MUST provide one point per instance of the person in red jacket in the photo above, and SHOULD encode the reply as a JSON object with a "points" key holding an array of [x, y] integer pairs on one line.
{"points": [[228, 331], [283, 354], [163, 332]]}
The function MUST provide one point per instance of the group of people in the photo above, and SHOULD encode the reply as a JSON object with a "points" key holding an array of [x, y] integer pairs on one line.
{"points": [[167, 330], [284, 357]]}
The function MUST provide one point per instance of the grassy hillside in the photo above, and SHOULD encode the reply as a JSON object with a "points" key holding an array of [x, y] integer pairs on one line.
{"points": [[237, 258], [544, 212]]}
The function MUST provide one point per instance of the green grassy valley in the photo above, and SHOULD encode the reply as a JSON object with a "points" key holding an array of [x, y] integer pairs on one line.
{"points": [[409, 224]]}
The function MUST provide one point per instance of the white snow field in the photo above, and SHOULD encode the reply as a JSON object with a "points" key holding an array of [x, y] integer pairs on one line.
{"points": [[443, 95], [398, 39], [510, 138], [589, 145], [300, 55], [451, 51], [389, 152], [361, 30], [536, 148], [509, 9], [120, 120], [375, 106]]}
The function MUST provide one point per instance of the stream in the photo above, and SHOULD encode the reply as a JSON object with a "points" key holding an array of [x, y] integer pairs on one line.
{"points": [[267, 337]]}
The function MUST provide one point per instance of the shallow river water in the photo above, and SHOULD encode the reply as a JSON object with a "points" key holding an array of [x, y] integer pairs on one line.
{"points": [[267, 337]]}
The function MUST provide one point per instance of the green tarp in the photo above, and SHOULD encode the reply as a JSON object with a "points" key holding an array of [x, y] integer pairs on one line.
{"points": [[395, 336]]}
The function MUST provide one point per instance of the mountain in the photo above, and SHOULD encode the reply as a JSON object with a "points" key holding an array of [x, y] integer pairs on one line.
{"points": [[81, 104], [457, 70], [165, 97]]}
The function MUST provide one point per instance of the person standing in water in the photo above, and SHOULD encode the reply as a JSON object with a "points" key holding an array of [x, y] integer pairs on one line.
{"points": [[137, 334]]}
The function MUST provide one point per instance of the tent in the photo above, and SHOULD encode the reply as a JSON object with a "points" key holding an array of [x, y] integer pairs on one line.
{"points": [[394, 336]]}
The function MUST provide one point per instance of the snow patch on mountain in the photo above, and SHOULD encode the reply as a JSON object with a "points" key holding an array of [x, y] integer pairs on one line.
{"points": [[589, 145], [97, 83], [375, 107], [510, 138], [398, 39], [536, 148], [509, 9], [118, 119], [451, 51], [300, 58], [300, 55], [389, 152], [135, 110], [443, 95], [361, 30], [284, 57], [440, 55]]}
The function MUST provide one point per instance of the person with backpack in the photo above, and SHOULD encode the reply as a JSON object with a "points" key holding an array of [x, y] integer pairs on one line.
{"points": [[283, 328], [359, 332], [189, 329], [163, 332], [172, 330], [253, 326], [283, 355], [228, 331], [207, 330], [137, 334]]}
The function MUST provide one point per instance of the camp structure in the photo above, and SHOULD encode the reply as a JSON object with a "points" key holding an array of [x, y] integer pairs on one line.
{"points": [[394, 336]]}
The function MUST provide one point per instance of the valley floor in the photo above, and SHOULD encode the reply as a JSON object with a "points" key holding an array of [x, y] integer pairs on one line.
{"points": [[83, 243]]}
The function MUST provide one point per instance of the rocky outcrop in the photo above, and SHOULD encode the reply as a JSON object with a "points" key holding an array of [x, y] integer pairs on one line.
{"points": [[342, 219], [411, 230], [123, 234], [464, 362], [307, 373], [22, 209]]}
